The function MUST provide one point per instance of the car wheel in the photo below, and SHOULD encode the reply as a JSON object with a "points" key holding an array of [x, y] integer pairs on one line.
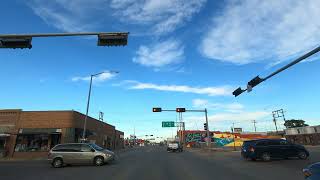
{"points": [[98, 161], [265, 156], [302, 155], [57, 163]]}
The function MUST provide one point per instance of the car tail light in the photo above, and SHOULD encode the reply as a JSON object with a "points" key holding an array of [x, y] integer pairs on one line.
{"points": [[251, 149], [306, 172]]}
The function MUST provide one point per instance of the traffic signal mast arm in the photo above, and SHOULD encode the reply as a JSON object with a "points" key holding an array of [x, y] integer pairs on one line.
{"points": [[257, 80]]}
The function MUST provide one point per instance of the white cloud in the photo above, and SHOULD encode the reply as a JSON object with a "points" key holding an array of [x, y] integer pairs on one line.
{"points": [[200, 103], [229, 107], [231, 117], [166, 15], [210, 91], [68, 15], [250, 31], [100, 78], [79, 15], [160, 54]]}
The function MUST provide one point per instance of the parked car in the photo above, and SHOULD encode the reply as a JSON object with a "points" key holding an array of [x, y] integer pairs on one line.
{"points": [[174, 146], [267, 149], [312, 172], [79, 153]]}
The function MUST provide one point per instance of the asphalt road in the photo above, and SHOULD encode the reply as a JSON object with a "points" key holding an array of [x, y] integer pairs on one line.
{"points": [[154, 163]]}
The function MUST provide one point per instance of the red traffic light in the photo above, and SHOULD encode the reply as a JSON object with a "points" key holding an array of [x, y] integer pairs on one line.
{"points": [[180, 109], [156, 109]]}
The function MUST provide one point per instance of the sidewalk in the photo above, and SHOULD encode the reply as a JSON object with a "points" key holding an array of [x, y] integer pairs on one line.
{"points": [[214, 149], [10, 159]]}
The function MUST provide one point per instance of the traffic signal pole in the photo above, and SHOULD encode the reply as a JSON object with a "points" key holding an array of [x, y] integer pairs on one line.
{"points": [[257, 80], [208, 134], [182, 127]]}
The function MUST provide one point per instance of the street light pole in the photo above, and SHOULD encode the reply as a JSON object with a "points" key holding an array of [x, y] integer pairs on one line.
{"points": [[88, 104]]}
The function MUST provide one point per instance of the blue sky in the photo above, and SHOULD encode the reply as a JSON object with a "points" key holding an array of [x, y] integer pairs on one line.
{"points": [[181, 53]]}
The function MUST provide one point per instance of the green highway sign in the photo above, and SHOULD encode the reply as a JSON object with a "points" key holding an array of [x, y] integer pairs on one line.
{"points": [[168, 124]]}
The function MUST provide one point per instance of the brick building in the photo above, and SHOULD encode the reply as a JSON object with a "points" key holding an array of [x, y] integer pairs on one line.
{"points": [[33, 133]]}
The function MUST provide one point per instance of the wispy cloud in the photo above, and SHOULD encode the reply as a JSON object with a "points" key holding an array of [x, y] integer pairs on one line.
{"points": [[165, 15], [231, 117], [160, 54], [210, 91], [75, 15], [67, 15], [250, 31], [100, 78], [228, 107]]}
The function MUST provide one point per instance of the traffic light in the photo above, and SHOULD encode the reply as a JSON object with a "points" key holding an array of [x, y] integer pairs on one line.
{"points": [[205, 126], [13, 43], [237, 92], [255, 81], [118, 39], [180, 109], [156, 109]]}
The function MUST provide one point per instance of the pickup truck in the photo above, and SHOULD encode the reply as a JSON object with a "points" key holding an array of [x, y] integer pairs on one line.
{"points": [[174, 146]]}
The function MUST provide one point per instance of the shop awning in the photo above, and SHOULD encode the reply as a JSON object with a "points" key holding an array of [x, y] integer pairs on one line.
{"points": [[4, 135], [39, 131]]}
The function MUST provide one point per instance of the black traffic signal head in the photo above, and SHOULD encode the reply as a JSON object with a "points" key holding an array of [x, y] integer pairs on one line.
{"points": [[180, 109], [13, 43], [205, 126], [237, 92], [117, 39], [156, 109], [255, 81]]}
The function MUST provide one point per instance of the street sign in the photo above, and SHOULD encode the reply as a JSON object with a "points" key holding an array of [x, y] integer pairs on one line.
{"points": [[168, 124], [237, 130]]}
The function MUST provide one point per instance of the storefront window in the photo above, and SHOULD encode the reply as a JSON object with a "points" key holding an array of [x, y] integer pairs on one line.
{"points": [[32, 142]]}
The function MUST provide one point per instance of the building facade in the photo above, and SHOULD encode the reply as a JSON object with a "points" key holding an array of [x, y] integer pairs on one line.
{"points": [[197, 138], [34, 133], [308, 135]]}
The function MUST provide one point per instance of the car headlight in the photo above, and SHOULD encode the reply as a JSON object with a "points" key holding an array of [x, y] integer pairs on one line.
{"points": [[306, 172]]}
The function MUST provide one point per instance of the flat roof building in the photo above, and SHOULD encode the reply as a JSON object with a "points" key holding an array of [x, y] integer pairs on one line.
{"points": [[34, 133]]}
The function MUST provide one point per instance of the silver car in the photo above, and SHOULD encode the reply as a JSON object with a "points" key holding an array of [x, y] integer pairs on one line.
{"points": [[79, 153]]}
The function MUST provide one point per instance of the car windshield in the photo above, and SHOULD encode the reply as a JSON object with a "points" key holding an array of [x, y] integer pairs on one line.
{"points": [[96, 147]]}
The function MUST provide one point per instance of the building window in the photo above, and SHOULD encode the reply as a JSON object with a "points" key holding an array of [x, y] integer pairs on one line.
{"points": [[32, 142], [315, 130]]}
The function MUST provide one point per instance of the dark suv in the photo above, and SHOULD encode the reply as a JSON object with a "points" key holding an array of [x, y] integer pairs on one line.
{"points": [[266, 149]]}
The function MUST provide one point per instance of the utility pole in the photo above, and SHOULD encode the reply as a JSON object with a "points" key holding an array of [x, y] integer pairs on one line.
{"points": [[254, 124], [101, 116], [275, 122], [278, 114], [234, 142]]}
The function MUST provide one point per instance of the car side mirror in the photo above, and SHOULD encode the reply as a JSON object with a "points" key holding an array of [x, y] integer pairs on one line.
{"points": [[92, 150]]}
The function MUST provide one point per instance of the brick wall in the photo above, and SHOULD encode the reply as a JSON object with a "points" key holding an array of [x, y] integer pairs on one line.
{"points": [[101, 129], [46, 119]]}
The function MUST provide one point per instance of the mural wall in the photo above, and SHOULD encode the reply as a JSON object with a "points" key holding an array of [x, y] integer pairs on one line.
{"points": [[223, 138]]}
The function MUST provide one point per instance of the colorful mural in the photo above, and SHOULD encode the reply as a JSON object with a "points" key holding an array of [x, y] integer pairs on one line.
{"points": [[224, 138]]}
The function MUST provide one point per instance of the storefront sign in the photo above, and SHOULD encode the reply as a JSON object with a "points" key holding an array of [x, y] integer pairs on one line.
{"points": [[237, 130]]}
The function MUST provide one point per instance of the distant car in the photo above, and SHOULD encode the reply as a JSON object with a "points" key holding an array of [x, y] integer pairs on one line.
{"points": [[267, 149], [79, 153], [174, 146], [312, 172]]}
